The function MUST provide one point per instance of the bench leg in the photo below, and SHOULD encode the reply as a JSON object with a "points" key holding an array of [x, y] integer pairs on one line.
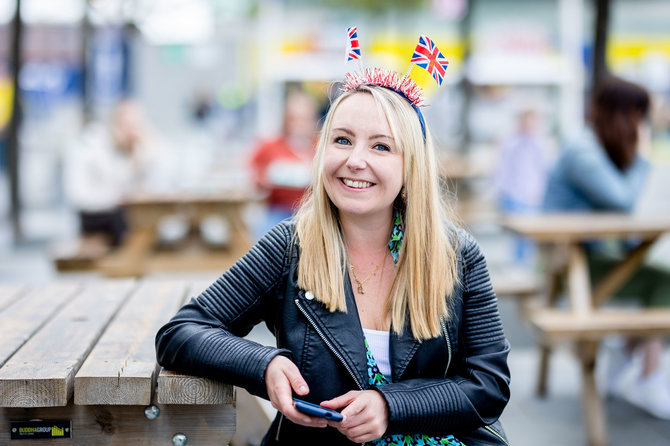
{"points": [[554, 288], [594, 412], [541, 388]]}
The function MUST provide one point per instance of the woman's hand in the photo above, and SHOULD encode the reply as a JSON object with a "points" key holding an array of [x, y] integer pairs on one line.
{"points": [[366, 415], [282, 378]]}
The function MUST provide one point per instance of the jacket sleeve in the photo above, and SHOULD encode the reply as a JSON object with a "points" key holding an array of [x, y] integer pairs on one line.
{"points": [[476, 394], [205, 339], [592, 173]]}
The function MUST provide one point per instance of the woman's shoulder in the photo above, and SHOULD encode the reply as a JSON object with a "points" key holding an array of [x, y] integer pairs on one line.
{"points": [[583, 143], [279, 236], [463, 241]]}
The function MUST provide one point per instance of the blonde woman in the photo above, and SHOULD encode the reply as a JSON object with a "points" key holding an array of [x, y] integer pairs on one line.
{"points": [[381, 307]]}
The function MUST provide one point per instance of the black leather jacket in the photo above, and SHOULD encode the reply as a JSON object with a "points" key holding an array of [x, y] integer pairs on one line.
{"points": [[456, 383]]}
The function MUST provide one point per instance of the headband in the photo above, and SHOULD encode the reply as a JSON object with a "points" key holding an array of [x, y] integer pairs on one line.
{"points": [[426, 55]]}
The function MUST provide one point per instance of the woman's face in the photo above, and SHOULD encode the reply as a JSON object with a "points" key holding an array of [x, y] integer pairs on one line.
{"points": [[362, 167]]}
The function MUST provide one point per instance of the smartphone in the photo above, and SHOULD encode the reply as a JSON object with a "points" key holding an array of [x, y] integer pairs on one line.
{"points": [[317, 411]]}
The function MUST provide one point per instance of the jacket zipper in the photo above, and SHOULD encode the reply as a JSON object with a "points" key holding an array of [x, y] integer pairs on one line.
{"points": [[281, 418], [494, 432], [328, 343], [446, 338], [330, 346]]}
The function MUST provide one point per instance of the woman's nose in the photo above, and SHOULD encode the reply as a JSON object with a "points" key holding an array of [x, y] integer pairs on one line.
{"points": [[357, 159]]}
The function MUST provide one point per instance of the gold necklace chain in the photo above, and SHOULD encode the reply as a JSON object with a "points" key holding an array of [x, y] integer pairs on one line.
{"points": [[361, 282]]}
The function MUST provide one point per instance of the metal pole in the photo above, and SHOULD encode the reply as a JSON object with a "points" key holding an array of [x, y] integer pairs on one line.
{"points": [[600, 42], [13, 133], [87, 35], [465, 30]]}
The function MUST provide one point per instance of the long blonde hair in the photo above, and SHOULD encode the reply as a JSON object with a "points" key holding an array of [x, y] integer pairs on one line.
{"points": [[426, 272]]}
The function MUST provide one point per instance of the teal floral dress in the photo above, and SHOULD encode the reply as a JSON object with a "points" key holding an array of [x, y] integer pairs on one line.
{"points": [[376, 378]]}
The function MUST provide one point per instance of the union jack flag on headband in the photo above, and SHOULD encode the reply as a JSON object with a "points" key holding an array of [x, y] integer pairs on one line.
{"points": [[353, 48], [428, 56]]}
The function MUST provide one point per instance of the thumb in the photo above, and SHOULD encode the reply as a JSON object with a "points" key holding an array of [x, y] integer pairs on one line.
{"points": [[298, 383]]}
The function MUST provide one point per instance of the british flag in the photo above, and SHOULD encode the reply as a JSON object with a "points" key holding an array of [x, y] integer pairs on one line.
{"points": [[428, 56], [353, 48]]}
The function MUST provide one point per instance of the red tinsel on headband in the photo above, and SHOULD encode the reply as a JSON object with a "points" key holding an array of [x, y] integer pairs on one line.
{"points": [[386, 78]]}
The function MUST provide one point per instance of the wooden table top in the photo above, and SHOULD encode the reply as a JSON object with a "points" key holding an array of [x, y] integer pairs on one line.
{"points": [[186, 197], [93, 343], [574, 227]]}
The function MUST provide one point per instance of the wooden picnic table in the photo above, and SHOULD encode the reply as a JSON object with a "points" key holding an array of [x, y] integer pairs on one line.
{"points": [[80, 358], [585, 322], [139, 253]]}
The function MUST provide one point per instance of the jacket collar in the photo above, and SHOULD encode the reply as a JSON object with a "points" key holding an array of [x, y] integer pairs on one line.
{"points": [[344, 333]]}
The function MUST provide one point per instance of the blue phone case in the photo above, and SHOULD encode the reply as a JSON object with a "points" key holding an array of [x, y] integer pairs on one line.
{"points": [[317, 411]]}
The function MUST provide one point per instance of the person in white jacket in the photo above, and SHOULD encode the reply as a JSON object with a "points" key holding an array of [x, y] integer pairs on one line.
{"points": [[109, 162]]}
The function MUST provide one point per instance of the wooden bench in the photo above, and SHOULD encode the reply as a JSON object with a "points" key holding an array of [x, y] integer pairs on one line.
{"points": [[80, 254], [81, 358], [520, 284], [555, 325], [515, 282]]}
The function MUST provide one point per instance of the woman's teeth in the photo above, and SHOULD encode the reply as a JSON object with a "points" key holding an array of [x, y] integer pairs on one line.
{"points": [[356, 184]]}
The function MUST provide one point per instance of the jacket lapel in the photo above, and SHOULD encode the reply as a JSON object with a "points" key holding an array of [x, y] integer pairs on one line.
{"points": [[343, 332], [401, 350]]}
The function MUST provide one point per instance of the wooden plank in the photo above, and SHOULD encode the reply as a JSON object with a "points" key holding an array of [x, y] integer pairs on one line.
{"points": [[8, 294], [127, 425], [24, 316], [515, 282], [253, 420], [42, 372], [579, 282], [594, 412], [553, 324], [175, 388], [122, 368], [129, 259], [79, 254], [586, 226]]}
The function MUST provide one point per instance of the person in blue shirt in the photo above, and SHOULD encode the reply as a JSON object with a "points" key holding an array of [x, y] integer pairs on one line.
{"points": [[604, 170]]}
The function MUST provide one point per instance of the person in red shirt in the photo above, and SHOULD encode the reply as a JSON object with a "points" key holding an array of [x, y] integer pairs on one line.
{"points": [[282, 165]]}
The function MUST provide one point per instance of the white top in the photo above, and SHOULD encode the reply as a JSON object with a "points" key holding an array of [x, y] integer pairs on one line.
{"points": [[378, 341]]}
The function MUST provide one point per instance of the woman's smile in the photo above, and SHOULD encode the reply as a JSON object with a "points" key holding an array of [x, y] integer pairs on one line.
{"points": [[356, 184]]}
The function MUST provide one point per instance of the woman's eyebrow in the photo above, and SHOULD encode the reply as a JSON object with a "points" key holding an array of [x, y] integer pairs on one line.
{"points": [[381, 136], [343, 130], [349, 132]]}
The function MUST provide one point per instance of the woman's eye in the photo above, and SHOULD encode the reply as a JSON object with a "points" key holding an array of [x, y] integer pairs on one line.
{"points": [[341, 140], [382, 148]]}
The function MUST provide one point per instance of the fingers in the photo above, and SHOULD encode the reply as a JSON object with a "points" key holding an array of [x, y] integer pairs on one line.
{"points": [[341, 401], [282, 377], [365, 417]]}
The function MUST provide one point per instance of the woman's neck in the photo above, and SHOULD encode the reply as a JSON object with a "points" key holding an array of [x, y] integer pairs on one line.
{"points": [[366, 234]]}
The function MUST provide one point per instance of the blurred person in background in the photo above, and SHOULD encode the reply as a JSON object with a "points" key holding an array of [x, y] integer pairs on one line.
{"points": [[282, 165], [604, 171], [521, 175], [381, 307], [107, 163]]}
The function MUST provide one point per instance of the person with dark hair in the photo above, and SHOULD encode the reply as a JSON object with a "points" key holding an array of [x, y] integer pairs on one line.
{"points": [[605, 171]]}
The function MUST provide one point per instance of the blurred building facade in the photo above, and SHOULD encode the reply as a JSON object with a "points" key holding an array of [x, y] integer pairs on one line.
{"points": [[213, 74]]}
